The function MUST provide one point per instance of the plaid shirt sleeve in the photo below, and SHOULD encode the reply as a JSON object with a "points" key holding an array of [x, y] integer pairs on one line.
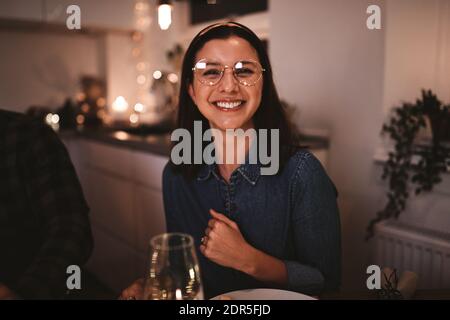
{"points": [[62, 213]]}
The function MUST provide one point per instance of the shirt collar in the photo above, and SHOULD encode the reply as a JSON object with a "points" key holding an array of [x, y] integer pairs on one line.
{"points": [[206, 171], [250, 172]]}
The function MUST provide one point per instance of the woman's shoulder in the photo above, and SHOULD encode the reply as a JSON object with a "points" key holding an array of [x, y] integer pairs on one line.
{"points": [[169, 178], [168, 172], [307, 170], [303, 161], [172, 174]]}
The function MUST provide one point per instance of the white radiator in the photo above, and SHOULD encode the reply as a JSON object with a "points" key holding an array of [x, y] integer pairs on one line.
{"points": [[405, 248]]}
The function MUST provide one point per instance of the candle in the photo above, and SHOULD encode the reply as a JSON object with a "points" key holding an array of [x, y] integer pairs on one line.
{"points": [[120, 112], [120, 104]]}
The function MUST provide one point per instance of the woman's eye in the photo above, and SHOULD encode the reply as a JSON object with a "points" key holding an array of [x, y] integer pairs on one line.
{"points": [[244, 72], [211, 72]]}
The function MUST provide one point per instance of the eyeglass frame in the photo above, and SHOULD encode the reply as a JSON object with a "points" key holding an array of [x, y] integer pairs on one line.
{"points": [[222, 72]]}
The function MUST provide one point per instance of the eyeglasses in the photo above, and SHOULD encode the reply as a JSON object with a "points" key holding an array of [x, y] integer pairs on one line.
{"points": [[246, 72]]}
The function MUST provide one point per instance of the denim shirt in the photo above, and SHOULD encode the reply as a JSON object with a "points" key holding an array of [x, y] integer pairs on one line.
{"points": [[292, 216]]}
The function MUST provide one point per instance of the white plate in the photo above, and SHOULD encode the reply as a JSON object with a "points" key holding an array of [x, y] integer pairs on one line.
{"points": [[263, 294]]}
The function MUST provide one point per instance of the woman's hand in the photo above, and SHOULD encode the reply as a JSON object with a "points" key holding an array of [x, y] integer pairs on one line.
{"points": [[134, 292], [224, 244]]}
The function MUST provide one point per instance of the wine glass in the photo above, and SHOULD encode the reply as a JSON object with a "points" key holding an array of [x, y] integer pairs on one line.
{"points": [[173, 272]]}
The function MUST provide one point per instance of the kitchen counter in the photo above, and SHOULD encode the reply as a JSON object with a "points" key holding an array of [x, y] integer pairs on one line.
{"points": [[158, 143], [153, 143]]}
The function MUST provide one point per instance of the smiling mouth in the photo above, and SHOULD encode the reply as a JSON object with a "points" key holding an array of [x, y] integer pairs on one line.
{"points": [[229, 105]]}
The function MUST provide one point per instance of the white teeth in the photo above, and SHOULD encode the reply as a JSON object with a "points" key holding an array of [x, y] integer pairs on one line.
{"points": [[228, 105]]}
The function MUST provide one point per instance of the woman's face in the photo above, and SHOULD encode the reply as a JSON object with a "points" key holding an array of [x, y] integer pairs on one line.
{"points": [[228, 104]]}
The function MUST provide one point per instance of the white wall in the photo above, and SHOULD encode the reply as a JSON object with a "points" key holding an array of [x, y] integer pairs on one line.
{"points": [[417, 50], [330, 65], [39, 68], [343, 77]]}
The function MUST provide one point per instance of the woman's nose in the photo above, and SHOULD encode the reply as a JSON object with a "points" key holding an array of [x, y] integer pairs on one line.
{"points": [[228, 83]]}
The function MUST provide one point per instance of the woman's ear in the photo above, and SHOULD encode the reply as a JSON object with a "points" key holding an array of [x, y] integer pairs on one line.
{"points": [[192, 93]]}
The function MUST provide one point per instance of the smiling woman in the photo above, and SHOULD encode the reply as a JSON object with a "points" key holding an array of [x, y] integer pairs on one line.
{"points": [[251, 230]]}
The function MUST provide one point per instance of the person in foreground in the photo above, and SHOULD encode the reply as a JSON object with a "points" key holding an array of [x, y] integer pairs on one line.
{"points": [[251, 230], [44, 224]]}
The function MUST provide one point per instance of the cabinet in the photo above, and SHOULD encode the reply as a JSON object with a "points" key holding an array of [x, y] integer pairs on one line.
{"points": [[123, 189]]}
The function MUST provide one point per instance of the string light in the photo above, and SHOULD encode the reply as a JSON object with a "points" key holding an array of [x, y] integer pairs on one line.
{"points": [[55, 119], [101, 114], [136, 36], [172, 77], [85, 108], [142, 16], [141, 79], [134, 118], [80, 119], [48, 119], [157, 74], [141, 66], [101, 102], [80, 96], [139, 107], [140, 6], [142, 20], [136, 52]]}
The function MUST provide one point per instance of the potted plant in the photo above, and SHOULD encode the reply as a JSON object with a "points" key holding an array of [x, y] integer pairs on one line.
{"points": [[433, 156]]}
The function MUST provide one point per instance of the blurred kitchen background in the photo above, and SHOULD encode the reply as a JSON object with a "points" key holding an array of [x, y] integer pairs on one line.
{"points": [[110, 90]]}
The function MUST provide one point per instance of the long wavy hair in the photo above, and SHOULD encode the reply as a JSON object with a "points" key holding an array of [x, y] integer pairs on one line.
{"points": [[270, 114]]}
